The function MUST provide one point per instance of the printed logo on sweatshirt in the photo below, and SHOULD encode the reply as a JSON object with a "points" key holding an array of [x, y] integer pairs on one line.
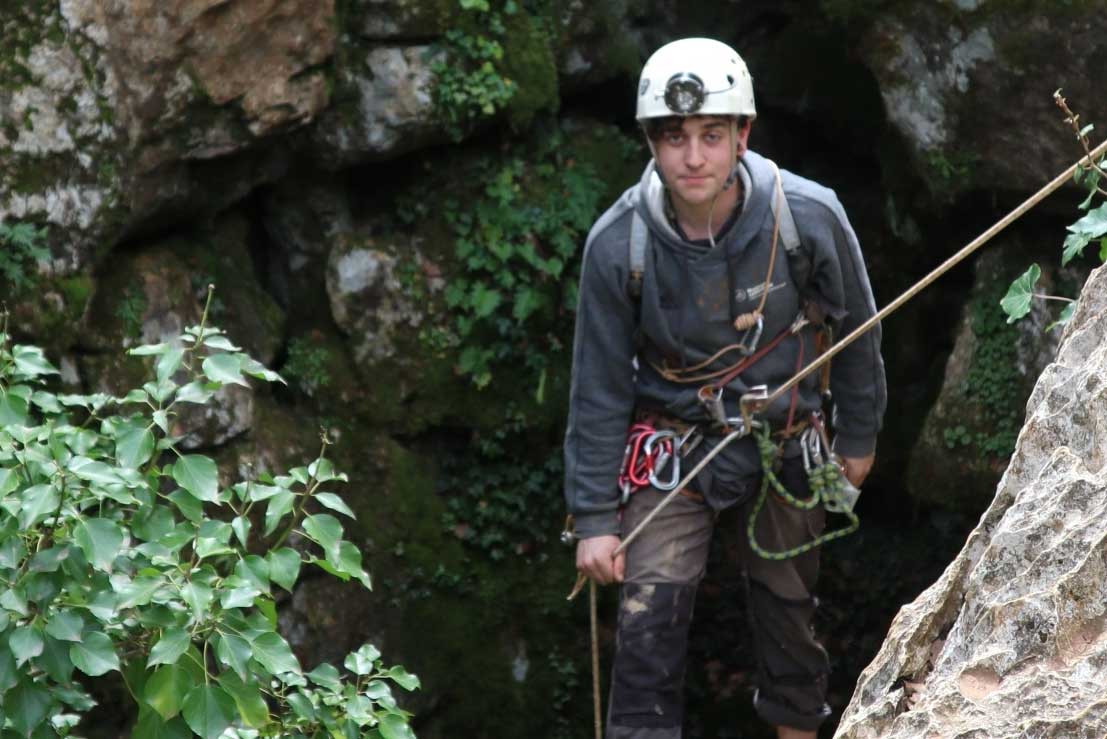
{"points": [[754, 292]]}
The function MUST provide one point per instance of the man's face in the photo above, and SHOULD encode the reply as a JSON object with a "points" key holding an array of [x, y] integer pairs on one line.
{"points": [[696, 158]]}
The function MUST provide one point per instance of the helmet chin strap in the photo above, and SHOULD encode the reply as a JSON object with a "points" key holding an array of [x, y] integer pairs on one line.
{"points": [[730, 180]]}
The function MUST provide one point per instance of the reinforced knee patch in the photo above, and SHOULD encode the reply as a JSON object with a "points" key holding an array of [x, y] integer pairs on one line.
{"points": [[792, 665], [647, 681]]}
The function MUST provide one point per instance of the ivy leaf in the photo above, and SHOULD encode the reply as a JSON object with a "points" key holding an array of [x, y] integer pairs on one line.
{"points": [[395, 727], [235, 652], [1065, 317], [95, 655], [152, 726], [101, 540], [484, 301], [173, 643], [169, 363], [1092, 226], [134, 447], [284, 567], [273, 652], [403, 678], [13, 409], [65, 625], [39, 502], [279, 505], [347, 558], [198, 475], [165, 689], [26, 642], [361, 662], [247, 697], [225, 368], [30, 361], [335, 503], [208, 710], [327, 676], [324, 529], [27, 706], [1016, 303]]}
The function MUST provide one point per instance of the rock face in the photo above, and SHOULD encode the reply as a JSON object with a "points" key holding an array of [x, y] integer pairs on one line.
{"points": [[970, 86], [1012, 640]]}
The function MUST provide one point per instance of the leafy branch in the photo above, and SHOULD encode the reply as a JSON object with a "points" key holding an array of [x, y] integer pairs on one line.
{"points": [[121, 551], [1092, 226]]}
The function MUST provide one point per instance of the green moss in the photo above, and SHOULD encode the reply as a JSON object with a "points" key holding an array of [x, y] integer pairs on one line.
{"points": [[994, 383], [529, 62]]}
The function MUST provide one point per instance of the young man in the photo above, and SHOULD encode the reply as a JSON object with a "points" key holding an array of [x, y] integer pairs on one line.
{"points": [[716, 284]]}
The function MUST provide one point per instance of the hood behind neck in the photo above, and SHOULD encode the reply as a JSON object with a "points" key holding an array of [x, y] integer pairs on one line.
{"points": [[754, 173]]}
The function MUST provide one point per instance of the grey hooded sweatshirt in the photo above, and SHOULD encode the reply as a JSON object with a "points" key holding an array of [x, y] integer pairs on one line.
{"points": [[690, 295]]}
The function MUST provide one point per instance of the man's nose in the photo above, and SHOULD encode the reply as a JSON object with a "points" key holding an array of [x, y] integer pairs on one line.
{"points": [[693, 154]]}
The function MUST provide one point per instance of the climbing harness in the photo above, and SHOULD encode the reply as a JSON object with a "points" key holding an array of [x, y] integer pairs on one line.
{"points": [[825, 482]]}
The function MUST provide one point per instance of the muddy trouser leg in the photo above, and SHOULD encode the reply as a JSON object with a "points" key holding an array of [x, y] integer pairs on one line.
{"points": [[792, 666], [664, 566]]}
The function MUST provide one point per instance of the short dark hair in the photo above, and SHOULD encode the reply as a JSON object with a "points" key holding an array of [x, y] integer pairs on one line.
{"points": [[658, 127]]}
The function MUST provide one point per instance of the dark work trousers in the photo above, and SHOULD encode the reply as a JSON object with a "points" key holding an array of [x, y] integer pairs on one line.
{"points": [[665, 565]]}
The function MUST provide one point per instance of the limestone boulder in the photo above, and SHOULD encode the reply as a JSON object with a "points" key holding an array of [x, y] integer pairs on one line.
{"points": [[1011, 641], [383, 108], [969, 85], [369, 299], [110, 111]]}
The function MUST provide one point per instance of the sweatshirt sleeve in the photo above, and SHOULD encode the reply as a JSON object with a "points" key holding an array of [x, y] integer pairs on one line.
{"points": [[857, 379], [601, 399]]}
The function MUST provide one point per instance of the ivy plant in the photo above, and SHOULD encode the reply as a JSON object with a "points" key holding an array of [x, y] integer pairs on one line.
{"points": [[22, 245], [122, 552], [517, 244], [1090, 228], [469, 84]]}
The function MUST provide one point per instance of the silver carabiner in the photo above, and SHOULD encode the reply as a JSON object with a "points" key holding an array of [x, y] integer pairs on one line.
{"points": [[750, 347], [712, 402], [662, 458]]}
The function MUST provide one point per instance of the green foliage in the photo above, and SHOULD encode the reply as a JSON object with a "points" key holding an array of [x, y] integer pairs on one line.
{"points": [[517, 244], [306, 365], [957, 436], [119, 552], [1016, 303], [993, 382], [1091, 227], [501, 497], [130, 309], [21, 246], [469, 81]]}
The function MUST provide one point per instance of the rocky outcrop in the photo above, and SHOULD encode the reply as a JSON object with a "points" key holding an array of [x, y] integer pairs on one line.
{"points": [[1012, 640], [970, 84]]}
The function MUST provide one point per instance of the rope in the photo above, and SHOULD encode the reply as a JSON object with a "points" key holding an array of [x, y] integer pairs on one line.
{"points": [[763, 402], [826, 488], [596, 701]]}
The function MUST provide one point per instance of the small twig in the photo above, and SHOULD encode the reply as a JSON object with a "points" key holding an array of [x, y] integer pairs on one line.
{"points": [[1073, 119]]}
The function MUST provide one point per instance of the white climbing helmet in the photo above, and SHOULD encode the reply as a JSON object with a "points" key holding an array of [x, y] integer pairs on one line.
{"points": [[695, 76]]}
